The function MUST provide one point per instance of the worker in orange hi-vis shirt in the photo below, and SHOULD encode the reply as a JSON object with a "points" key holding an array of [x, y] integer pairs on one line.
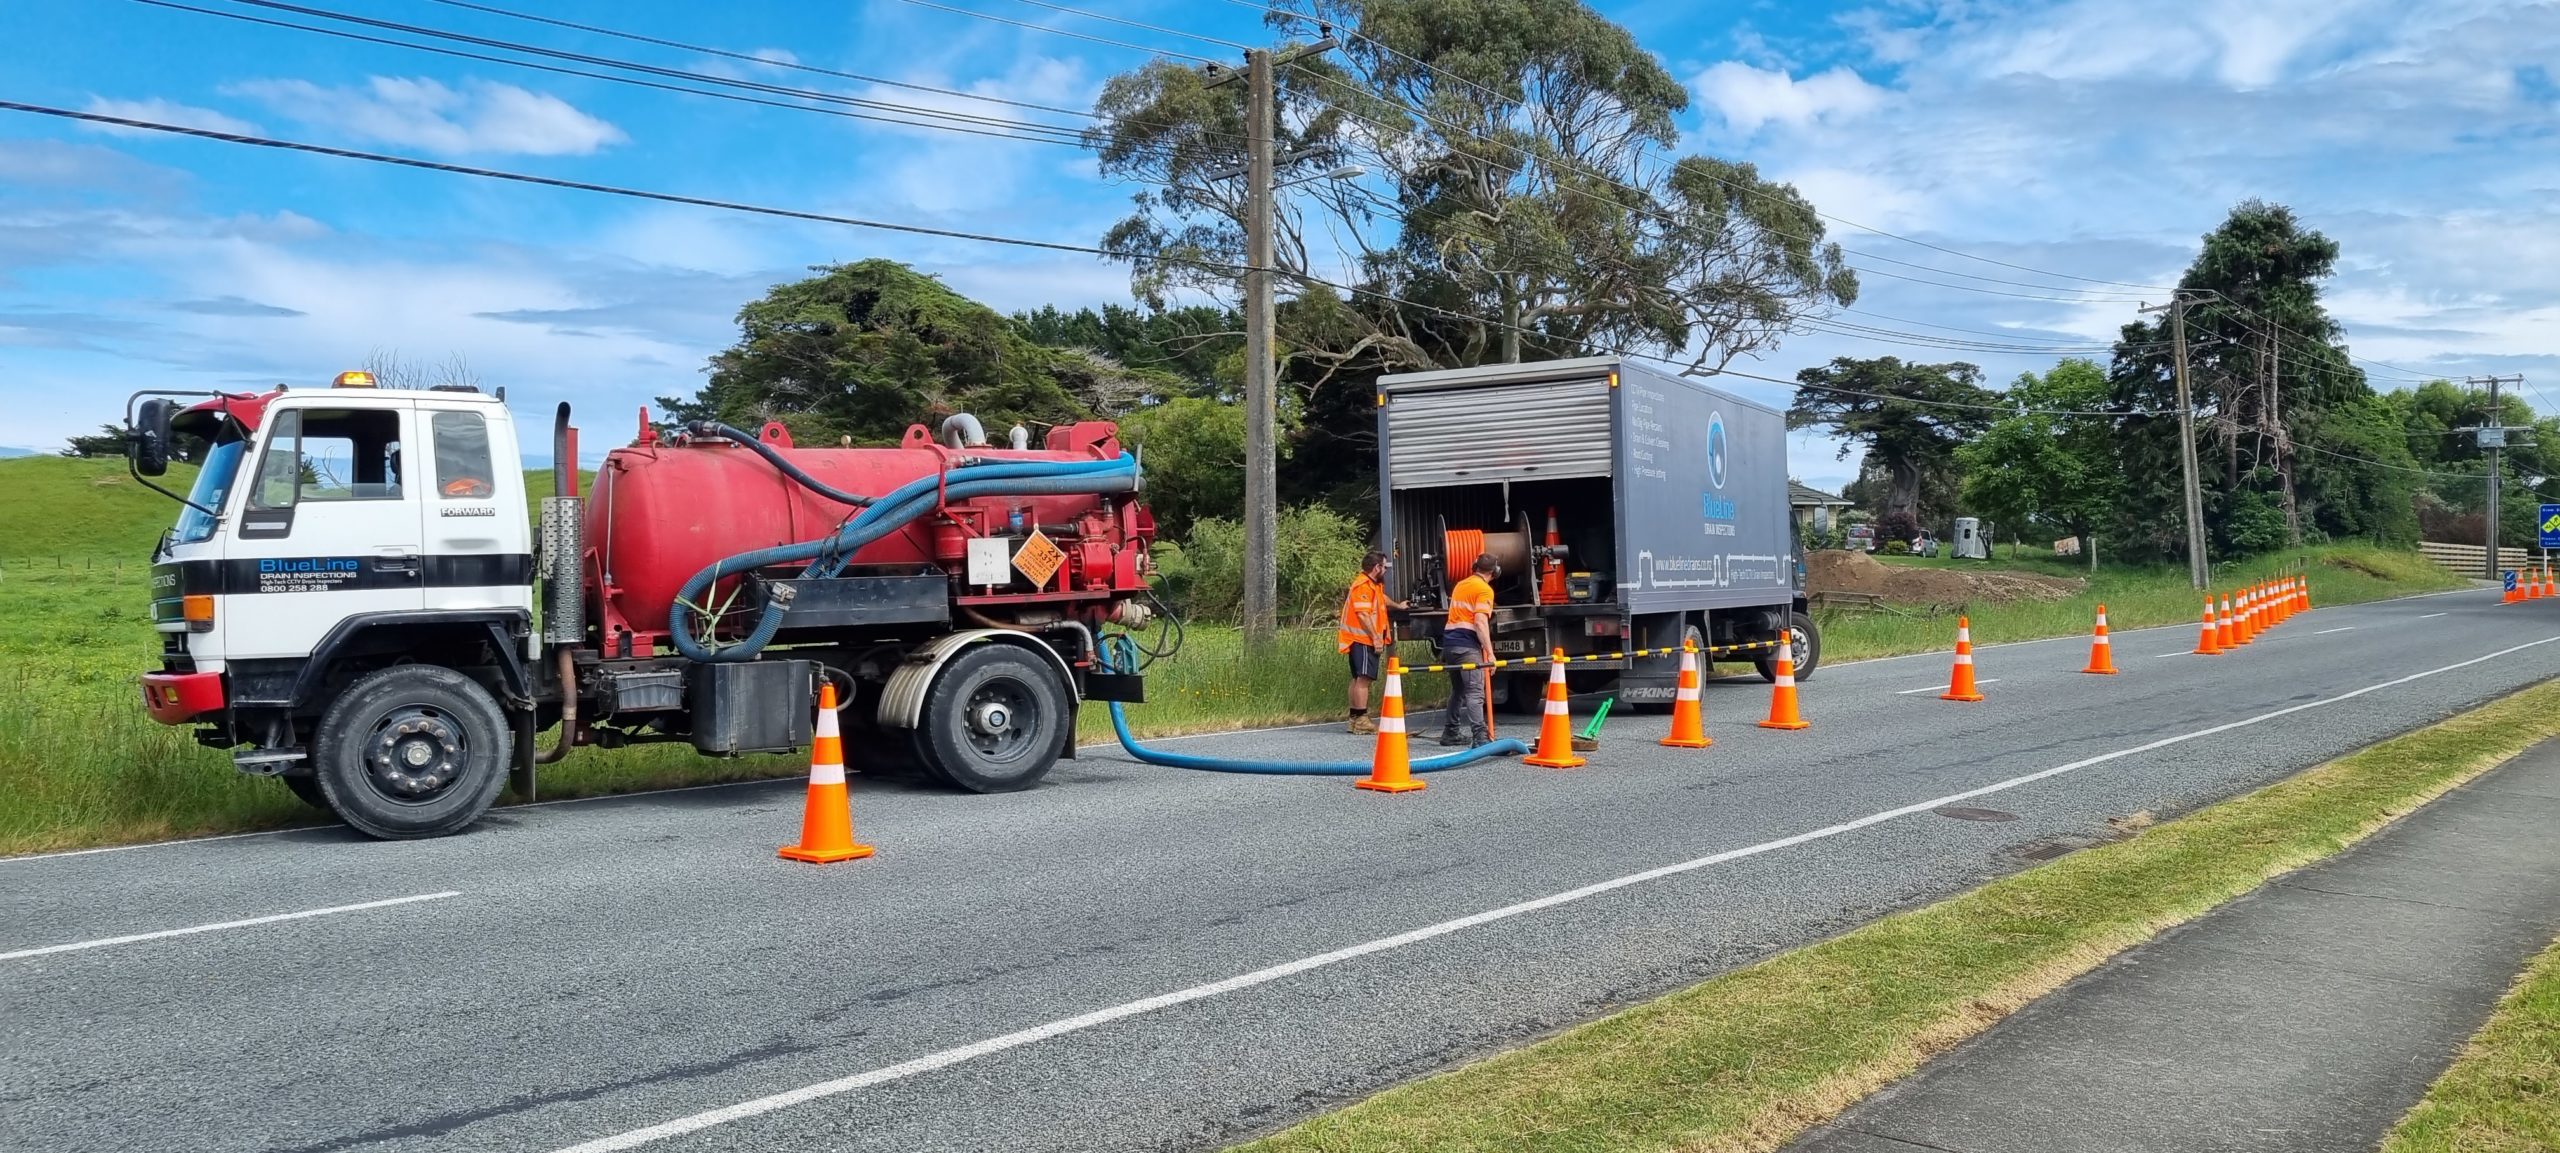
{"points": [[1467, 639], [1365, 634]]}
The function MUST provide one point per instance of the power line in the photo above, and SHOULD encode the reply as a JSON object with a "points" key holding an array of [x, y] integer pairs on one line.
{"points": [[1654, 211], [1137, 24], [990, 16], [914, 229], [752, 58], [1437, 71], [1072, 139]]}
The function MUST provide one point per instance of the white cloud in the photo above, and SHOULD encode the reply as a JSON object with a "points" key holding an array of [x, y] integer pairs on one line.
{"points": [[480, 117], [1749, 97], [163, 112]]}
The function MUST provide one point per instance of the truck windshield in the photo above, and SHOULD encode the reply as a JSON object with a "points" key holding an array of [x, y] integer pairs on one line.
{"points": [[213, 485]]}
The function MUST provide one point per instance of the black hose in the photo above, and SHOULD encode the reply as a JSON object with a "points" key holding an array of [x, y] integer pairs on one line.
{"points": [[781, 463]]}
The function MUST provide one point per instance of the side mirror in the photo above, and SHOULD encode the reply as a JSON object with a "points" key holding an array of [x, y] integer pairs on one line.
{"points": [[147, 442]]}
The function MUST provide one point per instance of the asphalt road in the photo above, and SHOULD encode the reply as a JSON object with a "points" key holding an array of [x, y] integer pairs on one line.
{"points": [[1129, 957]]}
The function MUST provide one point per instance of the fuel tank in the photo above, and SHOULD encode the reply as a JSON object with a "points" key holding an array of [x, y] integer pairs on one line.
{"points": [[664, 509]]}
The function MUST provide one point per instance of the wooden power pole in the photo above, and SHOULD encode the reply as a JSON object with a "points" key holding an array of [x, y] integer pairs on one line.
{"points": [[2197, 571], [1261, 406]]}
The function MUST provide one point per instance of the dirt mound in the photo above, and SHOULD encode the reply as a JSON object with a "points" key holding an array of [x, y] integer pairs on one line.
{"points": [[1836, 571], [1842, 571]]}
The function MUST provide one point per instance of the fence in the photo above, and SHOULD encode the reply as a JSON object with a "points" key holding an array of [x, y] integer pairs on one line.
{"points": [[2466, 558]]}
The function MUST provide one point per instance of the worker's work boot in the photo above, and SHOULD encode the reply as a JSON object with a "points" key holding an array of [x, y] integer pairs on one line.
{"points": [[1362, 726]]}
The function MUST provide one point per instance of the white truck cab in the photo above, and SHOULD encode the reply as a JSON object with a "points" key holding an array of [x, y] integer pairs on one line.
{"points": [[333, 533]]}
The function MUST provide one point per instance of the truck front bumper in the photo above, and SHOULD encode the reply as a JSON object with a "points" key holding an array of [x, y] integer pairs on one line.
{"points": [[177, 698]]}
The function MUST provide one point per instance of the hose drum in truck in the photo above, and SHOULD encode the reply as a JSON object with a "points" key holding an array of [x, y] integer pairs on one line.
{"points": [[564, 601]]}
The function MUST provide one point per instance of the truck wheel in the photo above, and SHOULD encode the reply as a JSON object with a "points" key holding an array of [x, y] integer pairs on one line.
{"points": [[412, 751], [996, 720], [1806, 644]]}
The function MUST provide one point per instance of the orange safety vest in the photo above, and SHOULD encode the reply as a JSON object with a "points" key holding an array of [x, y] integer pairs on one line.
{"points": [[1472, 598], [1364, 616]]}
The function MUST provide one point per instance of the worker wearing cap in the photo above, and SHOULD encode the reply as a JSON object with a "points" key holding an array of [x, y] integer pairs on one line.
{"points": [[1365, 633], [1469, 639]]}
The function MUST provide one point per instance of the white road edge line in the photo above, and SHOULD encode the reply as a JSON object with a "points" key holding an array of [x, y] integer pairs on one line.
{"points": [[2430, 616], [11, 860], [2339, 629], [1015, 1040], [191, 930], [1941, 688]]}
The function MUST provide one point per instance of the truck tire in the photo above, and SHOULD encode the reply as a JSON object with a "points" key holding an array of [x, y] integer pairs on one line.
{"points": [[1807, 642], [996, 720], [412, 751]]}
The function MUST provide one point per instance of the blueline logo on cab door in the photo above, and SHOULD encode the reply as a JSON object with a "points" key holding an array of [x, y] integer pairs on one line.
{"points": [[1718, 511], [314, 564]]}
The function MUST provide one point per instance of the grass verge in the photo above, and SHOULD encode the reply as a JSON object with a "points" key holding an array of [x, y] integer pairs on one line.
{"points": [[2502, 1095], [2135, 596], [1750, 1059]]}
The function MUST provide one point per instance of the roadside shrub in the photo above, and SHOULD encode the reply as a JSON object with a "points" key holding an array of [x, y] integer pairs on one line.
{"points": [[1895, 548], [1202, 576], [1898, 526]]}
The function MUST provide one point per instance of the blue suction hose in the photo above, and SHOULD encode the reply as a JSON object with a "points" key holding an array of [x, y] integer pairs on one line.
{"points": [[885, 515], [1120, 649]]}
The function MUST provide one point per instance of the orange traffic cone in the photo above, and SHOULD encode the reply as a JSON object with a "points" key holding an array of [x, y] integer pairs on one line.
{"points": [[2207, 645], [2284, 600], [2101, 660], [1960, 686], [2548, 588], [826, 826], [1782, 696], [1391, 770], [2266, 602], [2306, 592], [1688, 719], [2227, 634], [2241, 633], [1555, 734]]}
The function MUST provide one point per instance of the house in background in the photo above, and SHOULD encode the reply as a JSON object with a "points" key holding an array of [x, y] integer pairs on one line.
{"points": [[1817, 512]]}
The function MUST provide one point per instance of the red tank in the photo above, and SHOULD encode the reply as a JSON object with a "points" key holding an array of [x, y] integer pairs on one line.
{"points": [[664, 509]]}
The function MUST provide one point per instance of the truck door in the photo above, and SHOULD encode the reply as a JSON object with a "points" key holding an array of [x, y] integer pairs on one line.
{"points": [[479, 547], [328, 530]]}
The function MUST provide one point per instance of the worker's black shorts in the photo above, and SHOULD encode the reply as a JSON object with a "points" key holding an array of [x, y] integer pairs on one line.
{"points": [[1364, 661]]}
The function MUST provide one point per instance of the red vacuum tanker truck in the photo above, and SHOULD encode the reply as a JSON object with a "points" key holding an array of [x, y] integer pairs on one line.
{"points": [[360, 598]]}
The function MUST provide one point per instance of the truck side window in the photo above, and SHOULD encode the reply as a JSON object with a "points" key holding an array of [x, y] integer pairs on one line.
{"points": [[462, 456], [330, 455]]}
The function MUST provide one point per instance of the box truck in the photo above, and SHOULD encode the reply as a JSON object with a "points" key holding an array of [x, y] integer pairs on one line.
{"points": [[1630, 510]]}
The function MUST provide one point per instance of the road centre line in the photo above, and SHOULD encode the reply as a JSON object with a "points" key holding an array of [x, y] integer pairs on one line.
{"points": [[759, 1106], [270, 919], [2339, 629], [2430, 616], [1941, 688]]}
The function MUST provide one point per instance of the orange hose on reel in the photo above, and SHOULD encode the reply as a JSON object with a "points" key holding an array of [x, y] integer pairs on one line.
{"points": [[1461, 546]]}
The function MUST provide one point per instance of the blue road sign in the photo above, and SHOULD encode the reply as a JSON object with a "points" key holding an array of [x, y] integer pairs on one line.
{"points": [[2550, 523]]}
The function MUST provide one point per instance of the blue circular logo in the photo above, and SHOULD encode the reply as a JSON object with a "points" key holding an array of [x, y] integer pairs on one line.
{"points": [[1715, 449]]}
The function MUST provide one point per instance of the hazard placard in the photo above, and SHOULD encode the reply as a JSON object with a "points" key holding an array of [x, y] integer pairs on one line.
{"points": [[1038, 559]]}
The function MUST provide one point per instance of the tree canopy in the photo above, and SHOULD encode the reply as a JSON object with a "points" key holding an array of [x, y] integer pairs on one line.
{"points": [[2051, 464], [1909, 418], [868, 348], [1516, 194]]}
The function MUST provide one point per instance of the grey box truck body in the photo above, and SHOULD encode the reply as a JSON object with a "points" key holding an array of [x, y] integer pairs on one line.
{"points": [[1668, 497]]}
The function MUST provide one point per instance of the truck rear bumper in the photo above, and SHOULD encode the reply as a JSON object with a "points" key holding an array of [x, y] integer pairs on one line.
{"points": [[177, 698]]}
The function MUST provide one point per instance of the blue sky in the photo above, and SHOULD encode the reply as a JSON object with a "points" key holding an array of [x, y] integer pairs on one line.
{"points": [[2092, 138]]}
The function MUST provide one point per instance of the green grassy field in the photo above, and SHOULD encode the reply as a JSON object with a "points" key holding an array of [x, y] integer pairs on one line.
{"points": [[80, 764], [2135, 596], [1747, 1061]]}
